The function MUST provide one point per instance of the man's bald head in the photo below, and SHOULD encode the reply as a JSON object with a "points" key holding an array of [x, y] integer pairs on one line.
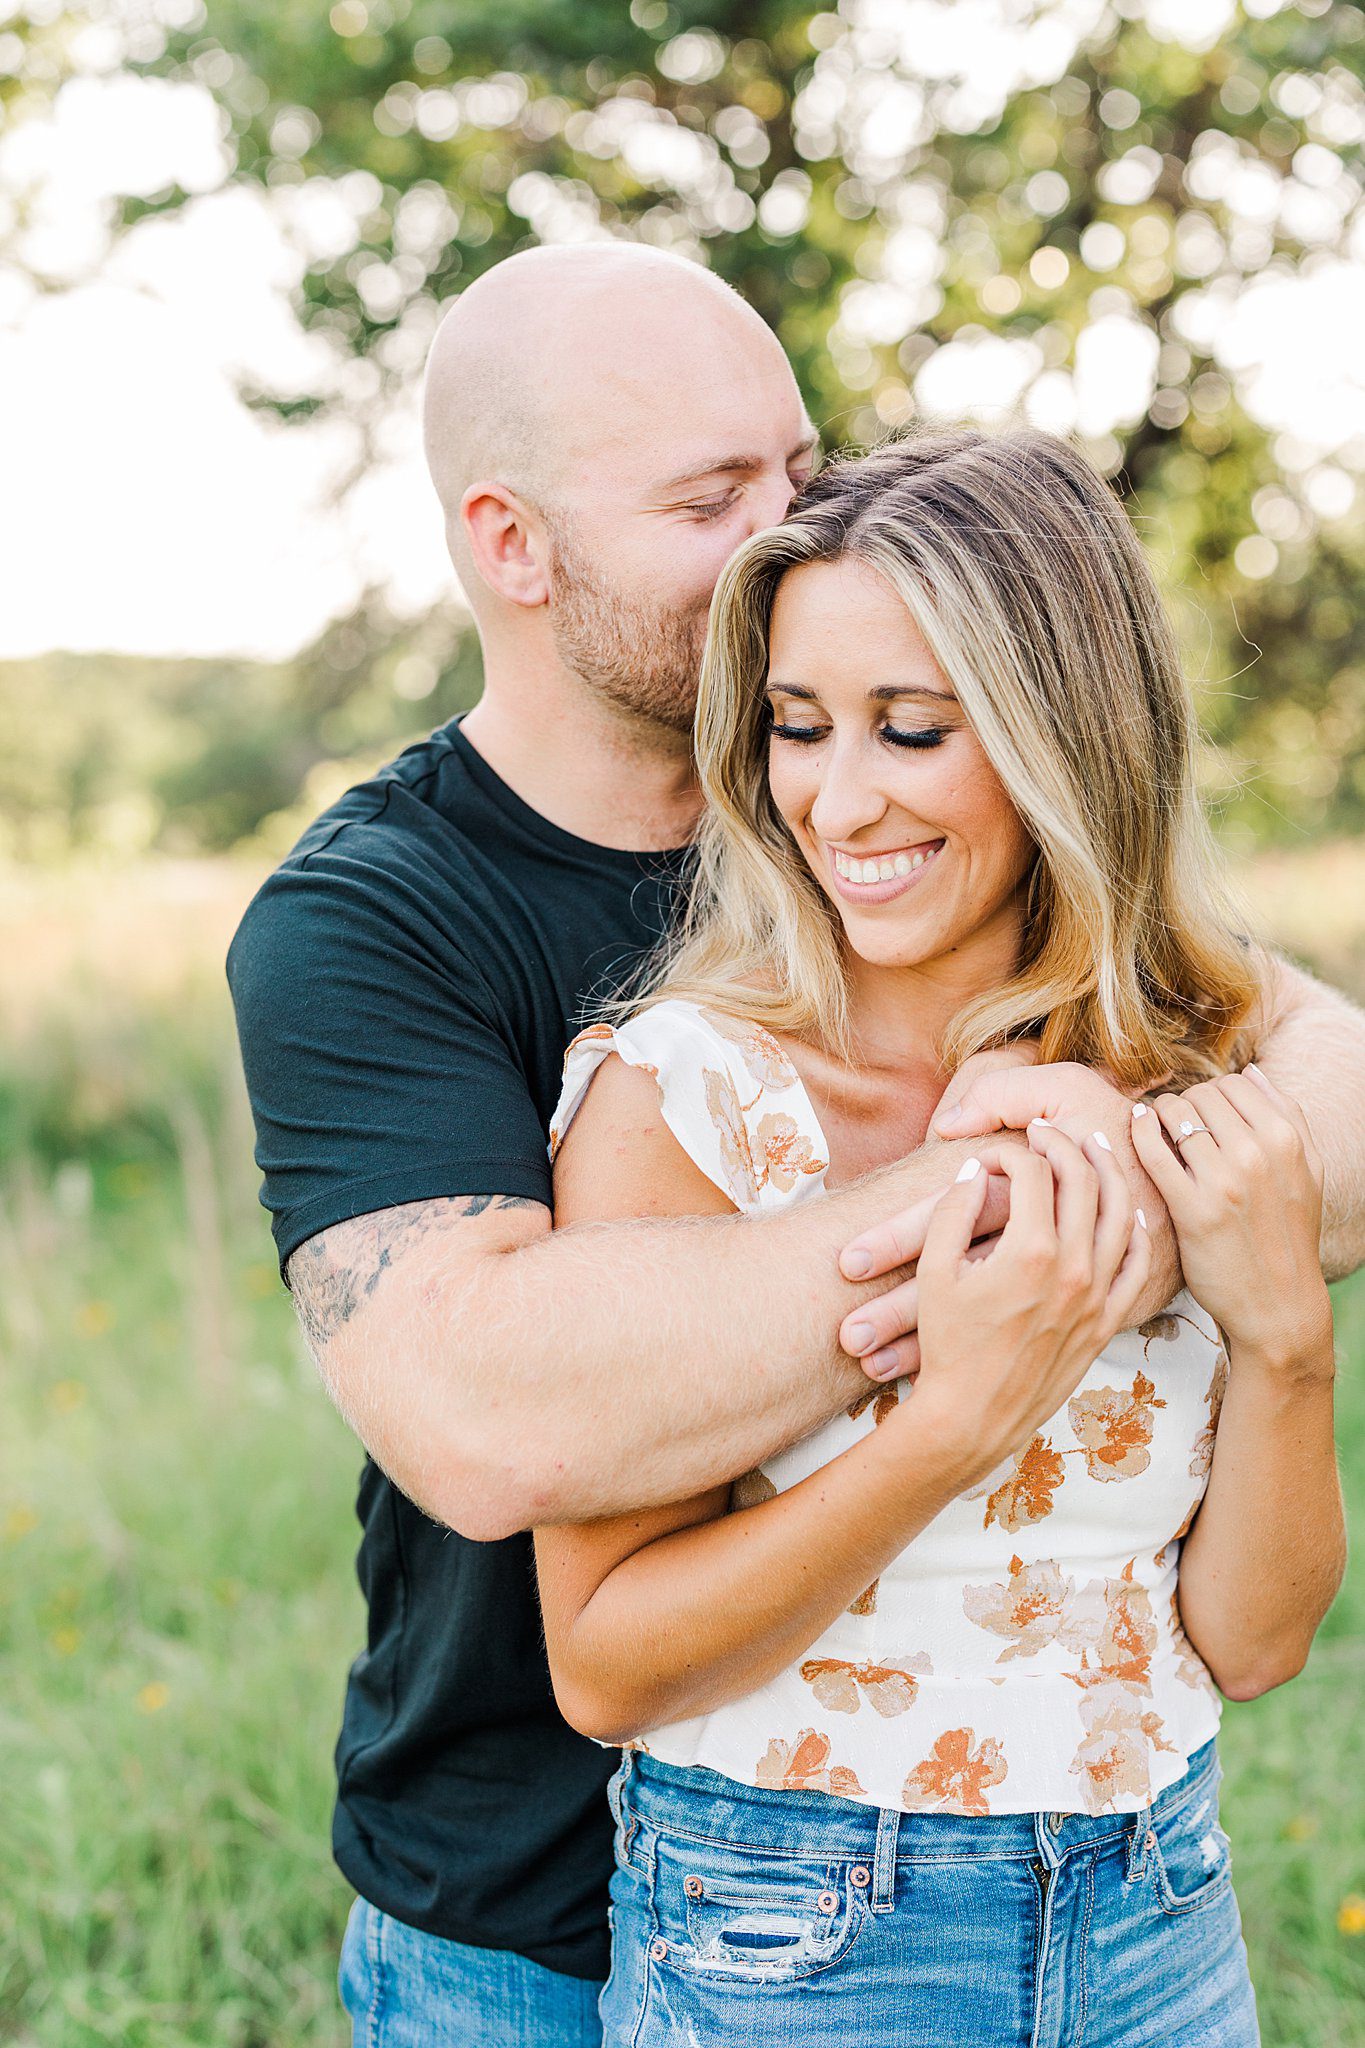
{"points": [[556, 350], [605, 425]]}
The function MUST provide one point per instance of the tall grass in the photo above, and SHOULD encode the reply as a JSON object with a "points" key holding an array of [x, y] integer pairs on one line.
{"points": [[177, 1606]]}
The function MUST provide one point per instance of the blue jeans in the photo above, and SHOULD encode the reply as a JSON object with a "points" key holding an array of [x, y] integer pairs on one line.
{"points": [[746, 1917], [405, 1989]]}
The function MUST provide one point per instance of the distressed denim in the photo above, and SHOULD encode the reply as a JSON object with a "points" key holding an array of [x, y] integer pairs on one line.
{"points": [[405, 1989], [749, 1916]]}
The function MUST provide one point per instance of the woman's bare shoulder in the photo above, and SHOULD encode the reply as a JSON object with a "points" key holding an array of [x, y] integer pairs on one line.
{"points": [[620, 1160]]}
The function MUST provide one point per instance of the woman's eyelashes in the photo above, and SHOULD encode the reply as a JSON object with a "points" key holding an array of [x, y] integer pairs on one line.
{"points": [[895, 736]]}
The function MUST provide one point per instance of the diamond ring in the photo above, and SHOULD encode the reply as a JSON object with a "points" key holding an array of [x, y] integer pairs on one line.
{"points": [[1188, 1130]]}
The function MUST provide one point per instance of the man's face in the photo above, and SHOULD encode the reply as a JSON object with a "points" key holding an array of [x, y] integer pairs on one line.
{"points": [[690, 467]]}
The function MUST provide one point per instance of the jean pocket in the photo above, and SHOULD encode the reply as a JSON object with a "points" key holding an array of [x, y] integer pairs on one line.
{"points": [[753, 1916], [1192, 1860]]}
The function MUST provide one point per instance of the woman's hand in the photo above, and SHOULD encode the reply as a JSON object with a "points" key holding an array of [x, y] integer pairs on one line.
{"points": [[1004, 1340], [1243, 1183]]}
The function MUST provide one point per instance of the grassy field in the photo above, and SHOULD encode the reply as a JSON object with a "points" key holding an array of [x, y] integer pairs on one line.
{"points": [[177, 1607]]}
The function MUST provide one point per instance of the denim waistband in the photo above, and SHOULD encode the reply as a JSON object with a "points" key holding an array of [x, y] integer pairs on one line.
{"points": [[701, 1804]]}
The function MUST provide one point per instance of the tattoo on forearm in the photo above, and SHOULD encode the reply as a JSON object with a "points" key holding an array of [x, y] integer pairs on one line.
{"points": [[334, 1273]]}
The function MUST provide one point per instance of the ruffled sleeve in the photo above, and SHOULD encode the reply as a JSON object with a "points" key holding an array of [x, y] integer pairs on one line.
{"points": [[728, 1093]]}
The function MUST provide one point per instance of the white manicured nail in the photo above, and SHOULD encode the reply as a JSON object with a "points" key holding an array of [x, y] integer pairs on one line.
{"points": [[1103, 1142], [970, 1169], [1140, 1217], [1039, 1120], [1139, 1109]]}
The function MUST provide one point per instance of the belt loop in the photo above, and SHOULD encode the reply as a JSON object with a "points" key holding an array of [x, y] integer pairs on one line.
{"points": [[1139, 1843], [884, 1859]]}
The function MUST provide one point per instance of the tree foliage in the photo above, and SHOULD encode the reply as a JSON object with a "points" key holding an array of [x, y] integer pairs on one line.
{"points": [[921, 197]]}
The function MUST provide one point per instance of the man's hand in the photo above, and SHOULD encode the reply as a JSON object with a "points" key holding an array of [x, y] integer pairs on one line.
{"points": [[998, 1061]]}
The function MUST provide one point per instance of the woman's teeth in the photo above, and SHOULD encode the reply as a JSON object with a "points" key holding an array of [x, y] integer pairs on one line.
{"points": [[884, 869]]}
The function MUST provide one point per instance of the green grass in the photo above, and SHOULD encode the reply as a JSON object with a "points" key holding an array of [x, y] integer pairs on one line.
{"points": [[177, 1606]]}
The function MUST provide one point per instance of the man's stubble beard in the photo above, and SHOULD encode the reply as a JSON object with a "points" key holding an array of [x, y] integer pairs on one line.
{"points": [[644, 659]]}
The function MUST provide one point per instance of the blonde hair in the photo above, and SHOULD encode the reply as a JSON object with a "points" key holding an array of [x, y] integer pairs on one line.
{"points": [[1021, 570]]}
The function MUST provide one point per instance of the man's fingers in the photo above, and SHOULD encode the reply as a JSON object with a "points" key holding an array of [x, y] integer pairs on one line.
{"points": [[881, 1321], [1004, 1101], [897, 1361], [900, 1240], [1000, 1060], [897, 1242]]}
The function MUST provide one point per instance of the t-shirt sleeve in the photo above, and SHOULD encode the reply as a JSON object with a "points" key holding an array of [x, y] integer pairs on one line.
{"points": [[379, 1061]]}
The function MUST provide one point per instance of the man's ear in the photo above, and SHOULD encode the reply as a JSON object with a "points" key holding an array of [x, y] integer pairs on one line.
{"points": [[507, 541]]}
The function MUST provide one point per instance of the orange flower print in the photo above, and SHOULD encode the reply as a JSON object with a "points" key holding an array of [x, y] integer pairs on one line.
{"points": [[727, 1114], [751, 1489], [804, 1766], [866, 1602], [1026, 1496], [1201, 1451], [1029, 1608], [1190, 1667], [1114, 1429], [785, 1153], [1188, 1522], [759, 1050], [1113, 1758], [957, 1777], [883, 1401], [890, 1688], [1112, 1618]]}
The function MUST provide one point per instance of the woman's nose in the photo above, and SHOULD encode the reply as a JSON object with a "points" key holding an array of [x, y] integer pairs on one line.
{"points": [[848, 798]]}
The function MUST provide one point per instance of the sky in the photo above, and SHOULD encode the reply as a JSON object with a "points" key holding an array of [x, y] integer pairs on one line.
{"points": [[148, 510]]}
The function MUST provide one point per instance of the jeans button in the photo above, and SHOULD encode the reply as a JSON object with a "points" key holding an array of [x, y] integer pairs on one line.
{"points": [[693, 1887], [658, 1949], [827, 1902], [861, 1876]]}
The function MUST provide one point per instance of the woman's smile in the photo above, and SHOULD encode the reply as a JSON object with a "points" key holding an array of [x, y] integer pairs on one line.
{"points": [[875, 875]]}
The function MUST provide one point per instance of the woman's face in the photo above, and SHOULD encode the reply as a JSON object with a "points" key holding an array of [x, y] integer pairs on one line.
{"points": [[882, 782]]}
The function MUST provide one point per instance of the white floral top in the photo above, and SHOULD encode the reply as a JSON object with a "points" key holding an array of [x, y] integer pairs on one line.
{"points": [[1025, 1653]]}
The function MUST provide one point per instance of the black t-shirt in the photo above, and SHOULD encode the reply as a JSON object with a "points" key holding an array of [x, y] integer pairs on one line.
{"points": [[405, 985]]}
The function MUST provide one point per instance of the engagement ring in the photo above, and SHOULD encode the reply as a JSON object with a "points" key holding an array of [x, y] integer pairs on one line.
{"points": [[1190, 1131]]}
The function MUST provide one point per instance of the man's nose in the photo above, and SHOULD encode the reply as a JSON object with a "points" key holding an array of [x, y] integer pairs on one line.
{"points": [[769, 500]]}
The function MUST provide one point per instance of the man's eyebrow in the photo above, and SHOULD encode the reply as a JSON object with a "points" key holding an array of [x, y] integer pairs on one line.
{"points": [[881, 693], [735, 465]]}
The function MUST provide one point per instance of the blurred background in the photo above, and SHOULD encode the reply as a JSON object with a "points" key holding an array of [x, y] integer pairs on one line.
{"points": [[225, 235]]}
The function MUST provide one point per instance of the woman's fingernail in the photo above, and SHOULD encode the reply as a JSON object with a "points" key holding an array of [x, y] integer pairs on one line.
{"points": [[856, 1264], [1255, 1073], [969, 1169], [1139, 1109], [881, 1365], [1103, 1142], [1039, 1120], [859, 1336], [1140, 1217], [950, 1115]]}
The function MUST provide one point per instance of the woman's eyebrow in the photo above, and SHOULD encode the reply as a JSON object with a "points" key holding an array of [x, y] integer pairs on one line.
{"points": [[880, 693]]}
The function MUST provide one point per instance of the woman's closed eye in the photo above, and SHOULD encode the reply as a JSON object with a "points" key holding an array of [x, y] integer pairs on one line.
{"points": [[895, 736]]}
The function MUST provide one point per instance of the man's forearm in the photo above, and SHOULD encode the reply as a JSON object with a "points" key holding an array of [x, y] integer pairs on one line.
{"points": [[606, 1366], [1314, 1051]]}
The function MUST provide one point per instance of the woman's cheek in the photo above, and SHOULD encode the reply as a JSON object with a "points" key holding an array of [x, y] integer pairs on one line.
{"points": [[791, 791]]}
